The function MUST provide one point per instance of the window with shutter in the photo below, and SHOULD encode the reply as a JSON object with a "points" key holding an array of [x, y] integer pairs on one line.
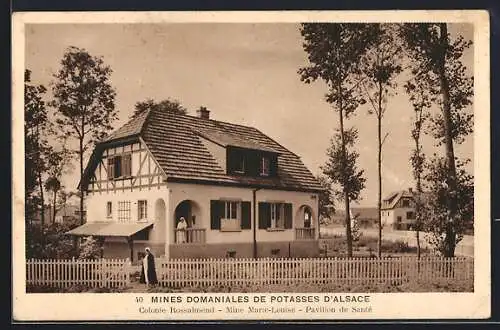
{"points": [[230, 220], [277, 216], [118, 166], [127, 165], [111, 168]]}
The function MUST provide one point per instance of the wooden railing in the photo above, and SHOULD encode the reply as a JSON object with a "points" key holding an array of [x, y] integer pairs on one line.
{"points": [[304, 233], [190, 236]]}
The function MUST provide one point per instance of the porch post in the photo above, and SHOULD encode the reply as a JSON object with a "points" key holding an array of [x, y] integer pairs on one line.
{"points": [[168, 221], [130, 241]]}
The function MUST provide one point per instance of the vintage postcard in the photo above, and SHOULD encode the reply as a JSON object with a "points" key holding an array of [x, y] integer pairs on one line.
{"points": [[251, 165]]}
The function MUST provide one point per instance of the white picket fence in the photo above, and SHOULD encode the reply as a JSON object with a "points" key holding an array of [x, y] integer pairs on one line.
{"points": [[110, 273], [265, 271]]}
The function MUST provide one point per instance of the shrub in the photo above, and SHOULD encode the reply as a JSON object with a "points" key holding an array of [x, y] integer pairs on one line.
{"points": [[50, 242], [90, 249]]}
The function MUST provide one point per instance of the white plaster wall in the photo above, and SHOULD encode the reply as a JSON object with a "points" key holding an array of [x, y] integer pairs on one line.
{"points": [[202, 194], [401, 212], [96, 207], [387, 217]]}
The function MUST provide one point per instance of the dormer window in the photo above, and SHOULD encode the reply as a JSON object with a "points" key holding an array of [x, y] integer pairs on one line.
{"points": [[119, 166], [264, 166], [240, 165], [251, 163]]}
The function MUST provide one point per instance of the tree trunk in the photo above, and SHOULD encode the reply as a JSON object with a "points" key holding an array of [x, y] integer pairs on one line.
{"points": [[379, 167], [54, 207], [42, 212], [418, 216], [344, 183], [450, 239], [81, 183]]}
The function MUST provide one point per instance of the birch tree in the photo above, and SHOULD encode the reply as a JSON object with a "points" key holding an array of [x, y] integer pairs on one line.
{"points": [[381, 66]]}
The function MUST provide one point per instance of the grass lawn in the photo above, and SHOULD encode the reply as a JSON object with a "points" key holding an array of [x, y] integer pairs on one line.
{"points": [[366, 246]]}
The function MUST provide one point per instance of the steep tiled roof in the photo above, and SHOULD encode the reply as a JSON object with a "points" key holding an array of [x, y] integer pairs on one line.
{"points": [[132, 127], [175, 141], [224, 138], [391, 200]]}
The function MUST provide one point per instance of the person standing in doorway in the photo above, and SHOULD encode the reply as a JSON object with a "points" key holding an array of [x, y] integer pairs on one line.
{"points": [[181, 230], [148, 272]]}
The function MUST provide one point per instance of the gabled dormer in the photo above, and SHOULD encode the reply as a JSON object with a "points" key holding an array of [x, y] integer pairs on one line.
{"points": [[248, 162], [239, 156]]}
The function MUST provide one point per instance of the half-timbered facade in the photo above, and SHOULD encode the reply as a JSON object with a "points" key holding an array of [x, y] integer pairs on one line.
{"points": [[241, 193]]}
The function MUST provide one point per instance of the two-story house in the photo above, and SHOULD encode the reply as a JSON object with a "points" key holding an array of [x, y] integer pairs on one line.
{"points": [[241, 193], [398, 210]]}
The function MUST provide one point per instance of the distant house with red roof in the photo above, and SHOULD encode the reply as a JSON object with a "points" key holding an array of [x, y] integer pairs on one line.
{"points": [[241, 193]]}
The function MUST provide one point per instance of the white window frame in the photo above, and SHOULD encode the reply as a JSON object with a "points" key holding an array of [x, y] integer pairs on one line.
{"points": [[265, 166], [142, 213], [124, 211], [241, 161], [231, 221], [109, 210], [277, 212]]}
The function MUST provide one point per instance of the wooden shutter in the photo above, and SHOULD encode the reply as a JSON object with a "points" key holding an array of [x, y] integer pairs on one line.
{"points": [[118, 166], [245, 215], [264, 215], [127, 165], [216, 212], [288, 216], [111, 168]]}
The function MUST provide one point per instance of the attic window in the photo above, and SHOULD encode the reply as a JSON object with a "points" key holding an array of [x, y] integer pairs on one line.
{"points": [[119, 166], [264, 166], [240, 165]]}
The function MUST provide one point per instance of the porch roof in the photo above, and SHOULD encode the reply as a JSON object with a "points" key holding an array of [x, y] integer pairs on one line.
{"points": [[108, 229]]}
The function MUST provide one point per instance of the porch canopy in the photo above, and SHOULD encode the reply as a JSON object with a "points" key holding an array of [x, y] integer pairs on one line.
{"points": [[108, 229]]}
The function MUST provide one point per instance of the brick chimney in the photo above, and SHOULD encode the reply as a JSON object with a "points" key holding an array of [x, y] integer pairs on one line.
{"points": [[203, 112], [410, 190]]}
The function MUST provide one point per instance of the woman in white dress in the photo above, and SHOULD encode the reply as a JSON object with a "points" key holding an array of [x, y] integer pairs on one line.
{"points": [[181, 230]]}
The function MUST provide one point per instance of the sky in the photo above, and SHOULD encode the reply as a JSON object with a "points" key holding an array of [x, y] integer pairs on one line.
{"points": [[244, 74]]}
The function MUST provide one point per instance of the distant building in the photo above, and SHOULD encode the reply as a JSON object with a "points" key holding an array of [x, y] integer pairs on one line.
{"points": [[398, 210], [68, 213], [365, 216], [64, 214]]}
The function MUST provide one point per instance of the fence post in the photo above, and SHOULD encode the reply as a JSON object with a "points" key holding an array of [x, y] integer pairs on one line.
{"points": [[128, 268]]}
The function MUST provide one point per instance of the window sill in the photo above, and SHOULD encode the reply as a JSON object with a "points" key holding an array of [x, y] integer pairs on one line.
{"points": [[122, 178], [275, 229], [230, 230]]}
